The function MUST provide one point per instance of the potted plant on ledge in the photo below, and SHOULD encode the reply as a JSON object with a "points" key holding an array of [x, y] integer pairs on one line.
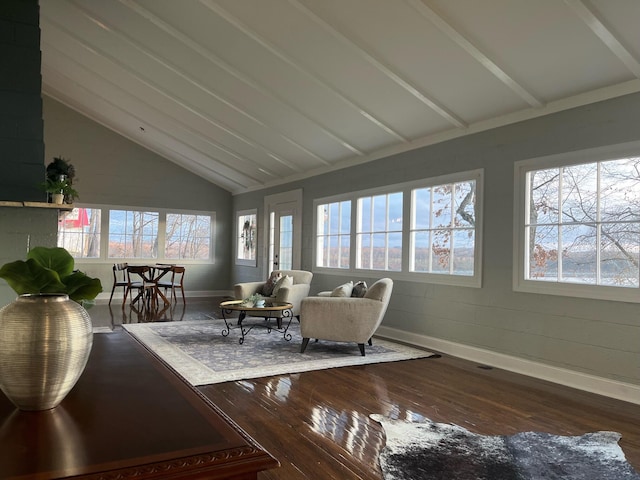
{"points": [[60, 190], [59, 181], [46, 334]]}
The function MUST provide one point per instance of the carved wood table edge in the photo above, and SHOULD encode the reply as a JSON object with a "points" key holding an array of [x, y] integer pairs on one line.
{"points": [[129, 416]]}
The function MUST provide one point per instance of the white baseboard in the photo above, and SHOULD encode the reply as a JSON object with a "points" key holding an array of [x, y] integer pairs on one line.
{"points": [[570, 378]]}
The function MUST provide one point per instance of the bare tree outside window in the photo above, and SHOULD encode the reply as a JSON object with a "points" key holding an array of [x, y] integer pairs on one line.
{"points": [[79, 232], [583, 223], [187, 236], [429, 229], [443, 228], [133, 234]]}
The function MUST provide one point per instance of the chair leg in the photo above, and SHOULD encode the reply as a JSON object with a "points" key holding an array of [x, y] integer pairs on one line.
{"points": [[370, 342], [112, 290], [124, 298], [305, 342], [361, 346]]}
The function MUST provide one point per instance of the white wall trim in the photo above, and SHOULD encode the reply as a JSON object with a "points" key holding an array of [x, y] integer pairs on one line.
{"points": [[570, 378]]}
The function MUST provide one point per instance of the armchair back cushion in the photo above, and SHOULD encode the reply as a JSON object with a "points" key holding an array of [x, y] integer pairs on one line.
{"points": [[286, 293]]}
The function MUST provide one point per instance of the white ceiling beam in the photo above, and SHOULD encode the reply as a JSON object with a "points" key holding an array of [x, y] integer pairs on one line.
{"points": [[369, 57], [231, 173], [175, 70], [189, 164], [593, 21], [246, 79], [315, 77], [451, 32], [190, 109]]}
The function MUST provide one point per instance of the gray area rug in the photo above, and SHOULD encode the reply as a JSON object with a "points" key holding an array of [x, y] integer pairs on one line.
{"points": [[199, 352], [439, 451]]}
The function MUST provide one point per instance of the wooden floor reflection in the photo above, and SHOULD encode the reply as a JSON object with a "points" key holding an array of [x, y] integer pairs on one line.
{"points": [[317, 423], [111, 316]]}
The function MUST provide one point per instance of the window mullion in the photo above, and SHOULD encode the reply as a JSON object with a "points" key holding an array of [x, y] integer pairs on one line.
{"points": [[371, 228], [162, 230], [560, 221], [337, 234], [430, 244], [387, 228], [104, 232], [451, 228], [598, 225], [356, 216]]}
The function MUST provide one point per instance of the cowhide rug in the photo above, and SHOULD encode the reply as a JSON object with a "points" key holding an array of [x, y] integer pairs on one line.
{"points": [[439, 451]]}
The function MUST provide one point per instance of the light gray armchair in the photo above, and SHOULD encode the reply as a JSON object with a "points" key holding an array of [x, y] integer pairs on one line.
{"points": [[345, 319], [292, 294]]}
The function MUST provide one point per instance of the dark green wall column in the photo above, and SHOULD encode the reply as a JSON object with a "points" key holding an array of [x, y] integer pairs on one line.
{"points": [[21, 129]]}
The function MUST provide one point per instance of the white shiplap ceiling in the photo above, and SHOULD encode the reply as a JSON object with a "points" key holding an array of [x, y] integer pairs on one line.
{"points": [[252, 93]]}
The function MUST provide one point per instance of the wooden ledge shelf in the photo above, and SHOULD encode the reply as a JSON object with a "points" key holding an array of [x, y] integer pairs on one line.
{"points": [[63, 206]]}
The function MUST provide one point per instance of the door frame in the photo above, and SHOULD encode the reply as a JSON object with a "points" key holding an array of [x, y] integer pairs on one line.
{"points": [[272, 201]]}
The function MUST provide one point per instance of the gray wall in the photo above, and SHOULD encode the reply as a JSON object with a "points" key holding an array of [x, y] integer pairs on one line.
{"points": [[591, 336], [21, 229], [113, 170]]}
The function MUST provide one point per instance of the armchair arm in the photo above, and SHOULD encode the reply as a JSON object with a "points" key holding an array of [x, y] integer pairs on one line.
{"points": [[244, 290], [294, 294]]}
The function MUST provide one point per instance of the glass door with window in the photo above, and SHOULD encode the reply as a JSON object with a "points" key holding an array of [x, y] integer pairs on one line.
{"points": [[284, 237], [281, 239]]}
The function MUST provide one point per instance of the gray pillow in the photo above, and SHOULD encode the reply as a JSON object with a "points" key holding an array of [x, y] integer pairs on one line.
{"points": [[267, 288], [359, 289]]}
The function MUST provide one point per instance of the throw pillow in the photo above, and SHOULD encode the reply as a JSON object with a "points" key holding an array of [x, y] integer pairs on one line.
{"points": [[359, 289], [267, 288], [343, 290], [285, 281]]}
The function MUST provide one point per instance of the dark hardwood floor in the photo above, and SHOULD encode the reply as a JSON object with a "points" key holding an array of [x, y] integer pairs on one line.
{"points": [[317, 423]]}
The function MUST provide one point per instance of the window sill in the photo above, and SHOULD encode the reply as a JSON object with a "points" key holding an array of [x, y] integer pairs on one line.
{"points": [[593, 292]]}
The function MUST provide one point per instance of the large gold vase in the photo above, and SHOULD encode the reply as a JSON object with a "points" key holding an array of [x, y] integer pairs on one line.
{"points": [[45, 341]]}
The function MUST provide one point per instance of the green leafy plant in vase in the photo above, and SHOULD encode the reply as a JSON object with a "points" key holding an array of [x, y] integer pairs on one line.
{"points": [[59, 181], [60, 190], [46, 334], [255, 300], [50, 270]]}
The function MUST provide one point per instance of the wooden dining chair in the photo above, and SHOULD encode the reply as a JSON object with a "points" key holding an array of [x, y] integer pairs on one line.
{"points": [[138, 279], [176, 281], [119, 278]]}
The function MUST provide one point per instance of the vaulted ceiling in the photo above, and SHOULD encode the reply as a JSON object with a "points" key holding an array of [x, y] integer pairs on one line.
{"points": [[252, 93]]}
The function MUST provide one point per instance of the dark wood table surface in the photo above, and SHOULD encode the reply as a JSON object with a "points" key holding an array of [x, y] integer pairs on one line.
{"points": [[129, 416]]}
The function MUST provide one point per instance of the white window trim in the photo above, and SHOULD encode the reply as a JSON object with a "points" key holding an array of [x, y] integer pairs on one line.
{"points": [[162, 213], [520, 284], [474, 281]]}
